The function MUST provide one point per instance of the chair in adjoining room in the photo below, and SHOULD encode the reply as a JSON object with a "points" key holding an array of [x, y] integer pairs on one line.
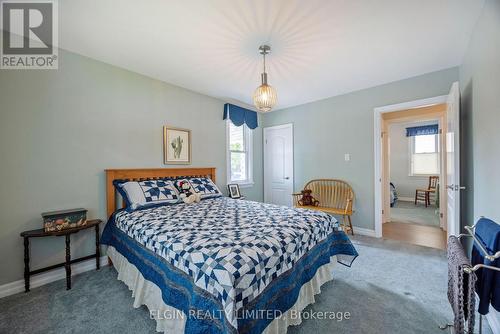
{"points": [[425, 194]]}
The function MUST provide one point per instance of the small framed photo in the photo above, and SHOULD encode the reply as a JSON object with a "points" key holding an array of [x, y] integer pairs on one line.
{"points": [[176, 146], [234, 190]]}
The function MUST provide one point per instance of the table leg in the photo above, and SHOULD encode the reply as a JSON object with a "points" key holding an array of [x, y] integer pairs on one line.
{"points": [[67, 265], [97, 248], [26, 264]]}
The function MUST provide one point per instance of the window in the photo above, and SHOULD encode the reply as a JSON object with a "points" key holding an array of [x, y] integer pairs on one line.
{"points": [[424, 155], [239, 155]]}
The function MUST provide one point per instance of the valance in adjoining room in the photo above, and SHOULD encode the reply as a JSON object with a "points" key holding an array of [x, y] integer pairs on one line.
{"points": [[240, 116], [422, 130]]}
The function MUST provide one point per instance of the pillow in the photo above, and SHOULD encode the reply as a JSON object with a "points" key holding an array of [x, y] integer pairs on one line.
{"points": [[141, 194], [201, 185]]}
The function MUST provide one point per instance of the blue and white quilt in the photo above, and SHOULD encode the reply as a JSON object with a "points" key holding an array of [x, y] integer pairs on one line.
{"points": [[229, 255]]}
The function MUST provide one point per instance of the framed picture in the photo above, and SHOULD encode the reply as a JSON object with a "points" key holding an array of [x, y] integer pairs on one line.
{"points": [[234, 190], [176, 146]]}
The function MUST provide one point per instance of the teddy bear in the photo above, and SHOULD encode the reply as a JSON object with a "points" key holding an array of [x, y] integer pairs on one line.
{"points": [[307, 198], [188, 196]]}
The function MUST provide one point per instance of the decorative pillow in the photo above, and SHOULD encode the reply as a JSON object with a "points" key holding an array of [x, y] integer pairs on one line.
{"points": [[178, 183], [140, 194], [201, 185]]}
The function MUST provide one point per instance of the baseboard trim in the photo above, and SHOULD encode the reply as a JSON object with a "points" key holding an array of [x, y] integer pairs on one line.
{"points": [[493, 318], [50, 276], [406, 199], [364, 231]]}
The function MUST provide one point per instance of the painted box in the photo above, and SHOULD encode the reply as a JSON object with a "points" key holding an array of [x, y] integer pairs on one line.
{"points": [[64, 219]]}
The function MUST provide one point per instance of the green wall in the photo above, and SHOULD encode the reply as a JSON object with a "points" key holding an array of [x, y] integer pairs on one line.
{"points": [[325, 130], [480, 84], [480, 102], [59, 130]]}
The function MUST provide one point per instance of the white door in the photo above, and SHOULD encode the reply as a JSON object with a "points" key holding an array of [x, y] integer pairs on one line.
{"points": [[453, 160], [278, 164]]}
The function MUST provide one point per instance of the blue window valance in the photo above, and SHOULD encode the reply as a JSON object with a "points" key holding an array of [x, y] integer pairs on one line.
{"points": [[422, 130], [239, 115]]}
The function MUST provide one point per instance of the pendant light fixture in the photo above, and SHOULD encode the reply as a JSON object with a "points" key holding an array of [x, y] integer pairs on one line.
{"points": [[264, 96]]}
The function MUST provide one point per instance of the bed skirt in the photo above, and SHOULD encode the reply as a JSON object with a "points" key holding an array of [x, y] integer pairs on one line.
{"points": [[149, 294]]}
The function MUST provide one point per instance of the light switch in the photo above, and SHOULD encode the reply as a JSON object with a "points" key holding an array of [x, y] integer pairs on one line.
{"points": [[347, 157]]}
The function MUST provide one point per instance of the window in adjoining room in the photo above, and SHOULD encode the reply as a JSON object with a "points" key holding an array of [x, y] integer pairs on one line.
{"points": [[424, 155]]}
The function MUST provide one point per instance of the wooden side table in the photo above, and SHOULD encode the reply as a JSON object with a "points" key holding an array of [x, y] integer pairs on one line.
{"points": [[39, 233]]}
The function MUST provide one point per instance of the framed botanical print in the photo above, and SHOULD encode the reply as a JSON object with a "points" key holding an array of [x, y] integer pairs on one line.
{"points": [[176, 146], [234, 190]]}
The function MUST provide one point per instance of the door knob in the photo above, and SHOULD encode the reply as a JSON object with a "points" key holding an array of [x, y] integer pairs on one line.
{"points": [[455, 187], [287, 178]]}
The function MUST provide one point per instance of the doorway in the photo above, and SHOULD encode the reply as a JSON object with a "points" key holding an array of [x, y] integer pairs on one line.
{"points": [[414, 170], [278, 164], [444, 110]]}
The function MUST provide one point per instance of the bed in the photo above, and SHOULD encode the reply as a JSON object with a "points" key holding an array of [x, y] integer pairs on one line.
{"points": [[221, 265]]}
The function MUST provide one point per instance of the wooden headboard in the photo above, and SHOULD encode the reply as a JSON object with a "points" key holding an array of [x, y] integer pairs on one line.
{"points": [[145, 174]]}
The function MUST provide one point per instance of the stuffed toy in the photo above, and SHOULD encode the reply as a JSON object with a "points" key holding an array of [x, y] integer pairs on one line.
{"points": [[187, 194], [307, 198]]}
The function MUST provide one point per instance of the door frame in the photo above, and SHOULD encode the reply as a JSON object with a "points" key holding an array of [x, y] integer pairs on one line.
{"points": [[264, 140], [454, 96], [377, 150]]}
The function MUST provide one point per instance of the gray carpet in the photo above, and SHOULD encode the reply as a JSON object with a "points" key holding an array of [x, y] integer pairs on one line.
{"points": [[392, 287], [408, 212]]}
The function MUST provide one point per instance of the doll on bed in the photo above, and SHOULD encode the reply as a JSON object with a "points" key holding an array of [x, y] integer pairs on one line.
{"points": [[187, 194]]}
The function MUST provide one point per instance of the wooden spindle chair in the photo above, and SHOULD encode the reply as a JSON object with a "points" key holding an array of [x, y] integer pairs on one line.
{"points": [[425, 194], [335, 197]]}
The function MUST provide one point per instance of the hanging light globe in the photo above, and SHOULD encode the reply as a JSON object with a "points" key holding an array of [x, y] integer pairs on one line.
{"points": [[265, 96]]}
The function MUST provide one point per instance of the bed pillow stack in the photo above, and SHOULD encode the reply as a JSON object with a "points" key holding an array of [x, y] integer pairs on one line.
{"points": [[148, 193]]}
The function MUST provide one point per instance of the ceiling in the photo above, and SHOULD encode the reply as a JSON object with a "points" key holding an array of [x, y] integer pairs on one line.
{"points": [[320, 48]]}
